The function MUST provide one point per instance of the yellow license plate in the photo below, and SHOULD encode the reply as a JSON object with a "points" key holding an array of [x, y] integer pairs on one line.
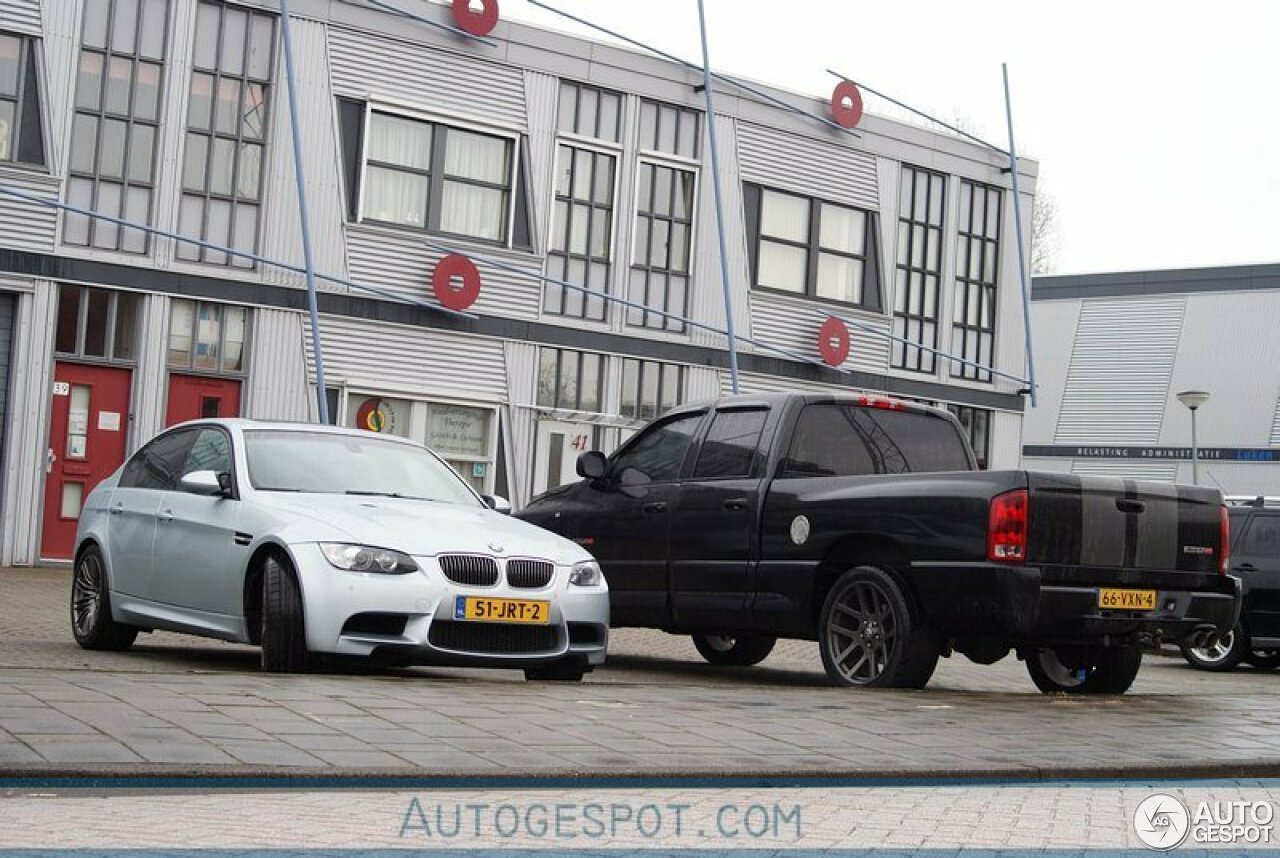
{"points": [[488, 610], [1127, 600]]}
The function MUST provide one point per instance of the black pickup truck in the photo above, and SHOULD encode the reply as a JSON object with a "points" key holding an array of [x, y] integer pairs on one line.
{"points": [[863, 523]]}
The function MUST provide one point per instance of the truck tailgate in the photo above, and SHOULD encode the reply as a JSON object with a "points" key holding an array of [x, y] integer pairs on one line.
{"points": [[1107, 523]]}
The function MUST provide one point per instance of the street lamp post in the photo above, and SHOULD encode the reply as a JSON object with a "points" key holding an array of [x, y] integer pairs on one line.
{"points": [[1193, 399]]}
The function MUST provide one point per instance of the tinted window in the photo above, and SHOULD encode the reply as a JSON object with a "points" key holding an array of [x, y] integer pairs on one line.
{"points": [[159, 464], [731, 444], [659, 452], [846, 440], [1262, 537], [210, 452]]}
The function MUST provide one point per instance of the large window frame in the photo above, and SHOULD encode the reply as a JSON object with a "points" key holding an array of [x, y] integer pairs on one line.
{"points": [[644, 275], [650, 388], [221, 312], [568, 371], [436, 174], [813, 248], [582, 267], [116, 323], [977, 274], [24, 107], [917, 293]]}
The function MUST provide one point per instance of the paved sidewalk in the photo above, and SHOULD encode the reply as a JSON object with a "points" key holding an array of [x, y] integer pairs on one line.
{"points": [[182, 706]]}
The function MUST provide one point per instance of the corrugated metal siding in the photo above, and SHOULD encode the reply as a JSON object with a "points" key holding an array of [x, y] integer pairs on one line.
{"points": [[26, 225], [21, 16], [7, 304], [808, 166], [169, 157], [543, 91], [150, 379], [749, 382], [522, 382], [410, 360], [1163, 472], [1275, 427], [792, 324], [282, 236], [454, 83], [278, 388], [400, 263], [706, 304], [1121, 365], [701, 383], [61, 47]]}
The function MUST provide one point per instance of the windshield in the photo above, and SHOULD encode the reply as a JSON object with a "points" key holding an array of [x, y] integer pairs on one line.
{"points": [[350, 464]]}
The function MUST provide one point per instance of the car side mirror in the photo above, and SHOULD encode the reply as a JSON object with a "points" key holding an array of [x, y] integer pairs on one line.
{"points": [[203, 483], [592, 465], [497, 504]]}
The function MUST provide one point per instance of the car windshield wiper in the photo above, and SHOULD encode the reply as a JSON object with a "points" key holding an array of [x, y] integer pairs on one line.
{"points": [[371, 493], [277, 489]]}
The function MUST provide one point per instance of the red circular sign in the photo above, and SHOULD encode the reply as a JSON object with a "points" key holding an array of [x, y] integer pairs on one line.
{"points": [[370, 416], [476, 23], [456, 266], [833, 341], [846, 104]]}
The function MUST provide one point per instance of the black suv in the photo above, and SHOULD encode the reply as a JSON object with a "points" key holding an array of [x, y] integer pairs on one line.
{"points": [[1255, 559]]}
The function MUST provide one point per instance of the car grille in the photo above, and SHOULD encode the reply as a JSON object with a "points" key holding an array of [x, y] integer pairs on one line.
{"points": [[529, 574], [470, 569], [493, 638]]}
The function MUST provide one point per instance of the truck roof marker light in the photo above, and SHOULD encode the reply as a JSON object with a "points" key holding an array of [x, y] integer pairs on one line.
{"points": [[879, 402], [1007, 528]]}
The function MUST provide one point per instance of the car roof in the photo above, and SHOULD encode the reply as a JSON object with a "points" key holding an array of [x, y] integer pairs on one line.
{"points": [[248, 424], [778, 399]]}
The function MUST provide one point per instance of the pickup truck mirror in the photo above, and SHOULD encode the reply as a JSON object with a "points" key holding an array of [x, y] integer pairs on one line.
{"points": [[591, 465]]}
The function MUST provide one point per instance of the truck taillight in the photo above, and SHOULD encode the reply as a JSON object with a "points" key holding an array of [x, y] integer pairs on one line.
{"points": [[1224, 541], [1007, 527]]}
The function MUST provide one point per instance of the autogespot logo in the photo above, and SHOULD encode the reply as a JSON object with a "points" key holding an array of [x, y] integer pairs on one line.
{"points": [[1162, 821]]}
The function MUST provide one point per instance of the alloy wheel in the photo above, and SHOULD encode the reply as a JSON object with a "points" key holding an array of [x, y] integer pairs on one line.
{"points": [[86, 594], [1217, 653], [862, 632]]}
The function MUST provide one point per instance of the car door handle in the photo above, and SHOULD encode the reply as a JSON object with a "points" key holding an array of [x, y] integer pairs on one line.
{"points": [[1132, 506], [165, 515], [736, 504], [655, 507], [1246, 567], [117, 509]]}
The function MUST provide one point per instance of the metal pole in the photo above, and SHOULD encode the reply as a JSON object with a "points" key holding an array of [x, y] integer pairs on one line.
{"points": [[1195, 452], [715, 181], [1017, 223], [322, 401]]}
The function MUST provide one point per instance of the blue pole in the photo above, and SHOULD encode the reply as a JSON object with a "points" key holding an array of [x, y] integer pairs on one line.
{"points": [[707, 91], [322, 401], [1017, 223]]}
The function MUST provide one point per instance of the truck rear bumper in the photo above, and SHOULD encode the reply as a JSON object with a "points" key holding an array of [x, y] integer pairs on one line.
{"points": [[1016, 605]]}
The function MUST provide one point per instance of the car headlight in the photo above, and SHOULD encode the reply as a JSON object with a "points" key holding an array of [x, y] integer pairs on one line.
{"points": [[586, 574], [365, 558]]}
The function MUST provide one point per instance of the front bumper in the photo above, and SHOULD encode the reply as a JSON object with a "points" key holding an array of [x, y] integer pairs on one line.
{"points": [[409, 619], [1031, 605]]}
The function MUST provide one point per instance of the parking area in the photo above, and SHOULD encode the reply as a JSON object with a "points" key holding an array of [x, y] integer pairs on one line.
{"points": [[182, 706]]}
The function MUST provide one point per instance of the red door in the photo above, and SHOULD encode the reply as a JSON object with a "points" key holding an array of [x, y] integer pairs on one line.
{"points": [[192, 397], [87, 432]]}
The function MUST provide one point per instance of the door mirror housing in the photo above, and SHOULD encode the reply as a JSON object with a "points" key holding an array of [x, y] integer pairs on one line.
{"points": [[592, 465], [206, 483], [497, 504]]}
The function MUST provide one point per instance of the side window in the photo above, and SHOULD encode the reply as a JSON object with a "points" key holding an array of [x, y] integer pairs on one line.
{"points": [[826, 445], [159, 464], [659, 452], [1263, 537], [210, 452], [731, 444]]}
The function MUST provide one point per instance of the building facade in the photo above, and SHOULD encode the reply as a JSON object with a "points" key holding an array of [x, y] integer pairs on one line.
{"points": [[537, 153], [1114, 350]]}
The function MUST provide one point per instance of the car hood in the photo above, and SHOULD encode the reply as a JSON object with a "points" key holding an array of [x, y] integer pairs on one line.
{"points": [[415, 527]]}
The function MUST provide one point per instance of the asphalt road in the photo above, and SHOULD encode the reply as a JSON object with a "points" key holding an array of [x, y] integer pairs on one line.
{"points": [[175, 705]]}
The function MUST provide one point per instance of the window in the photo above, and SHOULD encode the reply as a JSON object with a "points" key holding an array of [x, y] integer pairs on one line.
{"points": [[921, 205], [570, 380], [159, 464], [582, 232], [1263, 537], [658, 453], [670, 130], [97, 323], [210, 452], [731, 444], [977, 258], [650, 388], [977, 426], [846, 440], [588, 111], [115, 127], [207, 337], [810, 247], [661, 252], [21, 131], [226, 132]]}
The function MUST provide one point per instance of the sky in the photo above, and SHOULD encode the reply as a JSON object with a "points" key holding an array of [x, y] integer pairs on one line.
{"points": [[1155, 123]]}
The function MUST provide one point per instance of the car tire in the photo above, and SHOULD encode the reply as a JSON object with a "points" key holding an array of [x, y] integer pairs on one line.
{"points": [[557, 671], [284, 634], [871, 635], [1108, 670], [1222, 656], [730, 651], [91, 620], [1263, 659]]}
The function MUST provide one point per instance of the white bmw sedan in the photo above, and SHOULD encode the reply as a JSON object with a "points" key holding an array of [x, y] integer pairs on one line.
{"points": [[313, 540]]}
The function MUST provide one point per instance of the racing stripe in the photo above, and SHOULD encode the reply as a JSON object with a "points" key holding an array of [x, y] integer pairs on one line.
{"points": [[1102, 524], [1158, 545]]}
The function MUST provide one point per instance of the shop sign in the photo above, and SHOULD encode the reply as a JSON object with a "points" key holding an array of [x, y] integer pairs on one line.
{"points": [[455, 430]]}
